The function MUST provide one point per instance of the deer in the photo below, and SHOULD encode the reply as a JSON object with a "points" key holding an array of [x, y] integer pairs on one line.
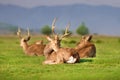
{"points": [[85, 47], [55, 54], [36, 48]]}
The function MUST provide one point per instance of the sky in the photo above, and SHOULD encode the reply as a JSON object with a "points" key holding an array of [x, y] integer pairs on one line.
{"points": [[35, 3]]}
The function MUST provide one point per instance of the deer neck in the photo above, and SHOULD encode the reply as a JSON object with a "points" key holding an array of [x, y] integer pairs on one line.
{"points": [[56, 48], [25, 46]]}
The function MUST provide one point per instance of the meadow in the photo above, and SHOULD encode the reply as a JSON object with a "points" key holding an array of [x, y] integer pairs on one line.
{"points": [[15, 65]]}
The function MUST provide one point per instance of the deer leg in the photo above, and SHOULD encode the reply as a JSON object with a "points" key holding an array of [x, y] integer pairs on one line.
{"points": [[48, 62], [59, 59]]}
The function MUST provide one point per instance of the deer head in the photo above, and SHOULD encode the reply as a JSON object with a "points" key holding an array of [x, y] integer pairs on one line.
{"points": [[24, 40], [84, 40], [61, 55], [33, 49], [85, 47]]}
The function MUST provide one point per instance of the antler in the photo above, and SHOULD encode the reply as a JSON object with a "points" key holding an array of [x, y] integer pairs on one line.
{"points": [[88, 38], [66, 31], [19, 33], [28, 34], [53, 25]]}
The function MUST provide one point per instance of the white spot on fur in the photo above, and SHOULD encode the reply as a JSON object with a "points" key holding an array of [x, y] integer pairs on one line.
{"points": [[71, 60]]}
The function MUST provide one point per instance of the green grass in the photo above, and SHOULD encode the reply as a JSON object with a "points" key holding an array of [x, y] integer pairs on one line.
{"points": [[15, 65]]}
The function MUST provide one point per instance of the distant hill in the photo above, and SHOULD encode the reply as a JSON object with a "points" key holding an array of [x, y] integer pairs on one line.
{"points": [[99, 19], [7, 28]]}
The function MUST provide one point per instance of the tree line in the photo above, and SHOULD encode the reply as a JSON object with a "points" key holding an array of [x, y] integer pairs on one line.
{"points": [[81, 30]]}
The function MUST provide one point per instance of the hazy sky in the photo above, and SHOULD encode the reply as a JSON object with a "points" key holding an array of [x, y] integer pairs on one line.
{"points": [[34, 3]]}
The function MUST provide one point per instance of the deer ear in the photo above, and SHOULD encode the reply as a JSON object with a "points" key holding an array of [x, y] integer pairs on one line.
{"points": [[27, 39], [89, 38], [48, 38], [83, 37]]}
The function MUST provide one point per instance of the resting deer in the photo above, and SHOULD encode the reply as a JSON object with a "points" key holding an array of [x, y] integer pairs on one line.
{"points": [[85, 48], [34, 49], [56, 54]]}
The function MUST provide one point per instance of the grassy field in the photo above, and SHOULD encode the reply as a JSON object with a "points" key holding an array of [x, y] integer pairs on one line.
{"points": [[15, 65]]}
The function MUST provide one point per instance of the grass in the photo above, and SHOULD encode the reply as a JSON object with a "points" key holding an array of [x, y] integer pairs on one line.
{"points": [[15, 65]]}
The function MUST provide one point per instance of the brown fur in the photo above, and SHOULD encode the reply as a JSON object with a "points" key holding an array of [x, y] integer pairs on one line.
{"points": [[63, 55], [59, 55], [85, 48], [33, 49], [55, 54]]}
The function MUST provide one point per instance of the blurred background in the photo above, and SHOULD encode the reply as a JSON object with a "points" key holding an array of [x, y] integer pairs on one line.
{"points": [[100, 17]]}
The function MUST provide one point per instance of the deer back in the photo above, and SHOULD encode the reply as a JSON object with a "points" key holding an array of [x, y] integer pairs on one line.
{"points": [[35, 49]]}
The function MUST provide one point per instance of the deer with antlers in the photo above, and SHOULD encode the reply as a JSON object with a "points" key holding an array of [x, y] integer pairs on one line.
{"points": [[56, 54], [85, 48], [34, 49]]}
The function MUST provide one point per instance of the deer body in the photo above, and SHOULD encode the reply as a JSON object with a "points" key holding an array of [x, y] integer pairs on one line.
{"points": [[55, 54], [60, 55], [85, 48], [33, 49], [67, 55]]}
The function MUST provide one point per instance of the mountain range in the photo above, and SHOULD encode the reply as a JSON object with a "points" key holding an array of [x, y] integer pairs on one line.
{"points": [[99, 19]]}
